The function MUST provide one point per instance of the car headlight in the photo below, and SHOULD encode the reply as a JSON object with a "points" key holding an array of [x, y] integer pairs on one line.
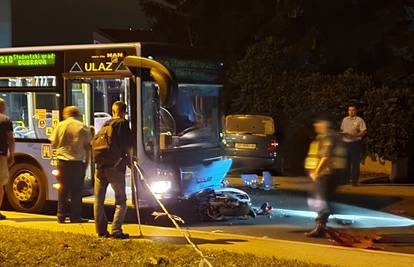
{"points": [[161, 187]]}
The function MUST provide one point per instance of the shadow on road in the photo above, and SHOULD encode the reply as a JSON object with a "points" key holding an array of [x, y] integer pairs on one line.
{"points": [[22, 220], [402, 239], [198, 241]]}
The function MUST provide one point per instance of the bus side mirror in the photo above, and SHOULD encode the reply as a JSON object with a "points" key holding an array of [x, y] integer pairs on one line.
{"points": [[160, 73]]}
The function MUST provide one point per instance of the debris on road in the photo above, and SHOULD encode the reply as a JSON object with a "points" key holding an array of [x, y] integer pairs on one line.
{"points": [[265, 209], [345, 239], [251, 180]]}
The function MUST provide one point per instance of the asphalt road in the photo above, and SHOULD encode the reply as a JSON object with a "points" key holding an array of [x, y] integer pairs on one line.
{"points": [[291, 218]]}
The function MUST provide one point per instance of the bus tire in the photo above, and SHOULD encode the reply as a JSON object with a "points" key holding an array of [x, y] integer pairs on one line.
{"points": [[26, 189]]}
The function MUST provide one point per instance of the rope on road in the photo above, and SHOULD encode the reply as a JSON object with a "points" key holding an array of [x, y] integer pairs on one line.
{"points": [[184, 234]]}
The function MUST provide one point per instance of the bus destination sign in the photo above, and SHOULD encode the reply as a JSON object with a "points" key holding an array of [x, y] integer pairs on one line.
{"points": [[192, 70], [28, 60]]}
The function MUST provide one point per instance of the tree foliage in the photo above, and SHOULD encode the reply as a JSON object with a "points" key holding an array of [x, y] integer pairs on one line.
{"points": [[294, 59], [271, 84], [390, 113], [374, 37], [370, 36], [225, 27]]}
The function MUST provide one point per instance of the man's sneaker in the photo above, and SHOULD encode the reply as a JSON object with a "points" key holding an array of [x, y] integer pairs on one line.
{"points": [[120, 235], [61, 219], [2, 217], [79, 220], [105, 235]]}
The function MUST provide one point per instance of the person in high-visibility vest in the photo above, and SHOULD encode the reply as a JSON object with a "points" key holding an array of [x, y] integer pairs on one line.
{"points": [[325, 163]]}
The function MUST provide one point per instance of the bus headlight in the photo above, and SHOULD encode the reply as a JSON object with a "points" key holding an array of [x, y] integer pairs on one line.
{"points": [[161, 187], [57, 186]]}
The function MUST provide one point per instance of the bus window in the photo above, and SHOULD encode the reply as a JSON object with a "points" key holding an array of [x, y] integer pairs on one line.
{"points": [[149, 107], [94, 97], [196, 114], [191, 122], [33, 114], [106, 92], [80, 96]]}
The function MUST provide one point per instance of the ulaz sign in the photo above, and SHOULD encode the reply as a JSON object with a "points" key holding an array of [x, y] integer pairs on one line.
{"points": [[111, 62], [96, 61], [103, 66]]}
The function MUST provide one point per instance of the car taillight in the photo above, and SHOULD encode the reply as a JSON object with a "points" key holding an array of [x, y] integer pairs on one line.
{"points": [[272, 146]]}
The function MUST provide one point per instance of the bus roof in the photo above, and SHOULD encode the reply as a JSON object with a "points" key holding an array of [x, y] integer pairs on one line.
{"points": [[67, 47]]}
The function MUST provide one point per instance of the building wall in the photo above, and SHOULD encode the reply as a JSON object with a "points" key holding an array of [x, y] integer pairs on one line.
{"points": [[5, 23]]}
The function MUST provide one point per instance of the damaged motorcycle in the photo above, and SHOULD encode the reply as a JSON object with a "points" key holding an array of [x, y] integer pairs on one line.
{"points": [[221, 203]]}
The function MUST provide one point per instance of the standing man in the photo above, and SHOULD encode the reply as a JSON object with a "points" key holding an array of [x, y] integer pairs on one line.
{"points": [[325, 163], [71, 139], [353, 129], [111, 170], [6, 150]]}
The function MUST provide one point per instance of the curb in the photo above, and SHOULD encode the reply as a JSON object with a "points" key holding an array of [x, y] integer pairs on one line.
{"points": [[283, 249]]}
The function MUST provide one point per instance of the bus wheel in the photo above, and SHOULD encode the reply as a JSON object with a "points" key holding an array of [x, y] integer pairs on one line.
{"points": [[26, 190]]}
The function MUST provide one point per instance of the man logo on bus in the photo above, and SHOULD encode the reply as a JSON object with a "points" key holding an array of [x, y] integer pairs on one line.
{"points": [[114, 55]]}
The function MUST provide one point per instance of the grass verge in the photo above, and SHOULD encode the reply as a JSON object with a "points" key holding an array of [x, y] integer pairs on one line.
{"points": [[27, 247]]}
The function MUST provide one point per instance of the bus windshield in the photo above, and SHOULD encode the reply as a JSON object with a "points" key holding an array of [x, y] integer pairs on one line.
{"points": [[192, 121]]}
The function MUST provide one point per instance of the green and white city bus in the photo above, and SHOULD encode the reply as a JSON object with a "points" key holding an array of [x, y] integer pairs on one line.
{"points": [[172, 95]]}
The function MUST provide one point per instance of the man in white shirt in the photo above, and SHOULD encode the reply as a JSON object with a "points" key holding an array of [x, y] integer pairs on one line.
{"points": [[71, 139], [353, 129]]}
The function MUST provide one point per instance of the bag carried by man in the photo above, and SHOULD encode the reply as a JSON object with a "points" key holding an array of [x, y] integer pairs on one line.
{"points": [[106, 151]]}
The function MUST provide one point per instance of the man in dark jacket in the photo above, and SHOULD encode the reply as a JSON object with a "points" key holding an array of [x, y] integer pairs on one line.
{"points": [[114, 174]]}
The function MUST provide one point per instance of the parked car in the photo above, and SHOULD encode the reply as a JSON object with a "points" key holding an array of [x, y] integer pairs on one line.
{"points": [[251, 142]]}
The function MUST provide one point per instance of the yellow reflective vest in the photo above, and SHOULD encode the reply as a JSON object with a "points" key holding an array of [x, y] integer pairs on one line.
{"points": [[326, 146], [312, 160]]}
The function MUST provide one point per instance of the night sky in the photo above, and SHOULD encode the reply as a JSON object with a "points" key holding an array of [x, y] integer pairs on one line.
{"points": [[44, 22]]}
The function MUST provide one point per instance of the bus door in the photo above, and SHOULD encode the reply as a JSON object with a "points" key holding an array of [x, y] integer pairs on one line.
{"points": [[94, 98], [79, 93]]}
